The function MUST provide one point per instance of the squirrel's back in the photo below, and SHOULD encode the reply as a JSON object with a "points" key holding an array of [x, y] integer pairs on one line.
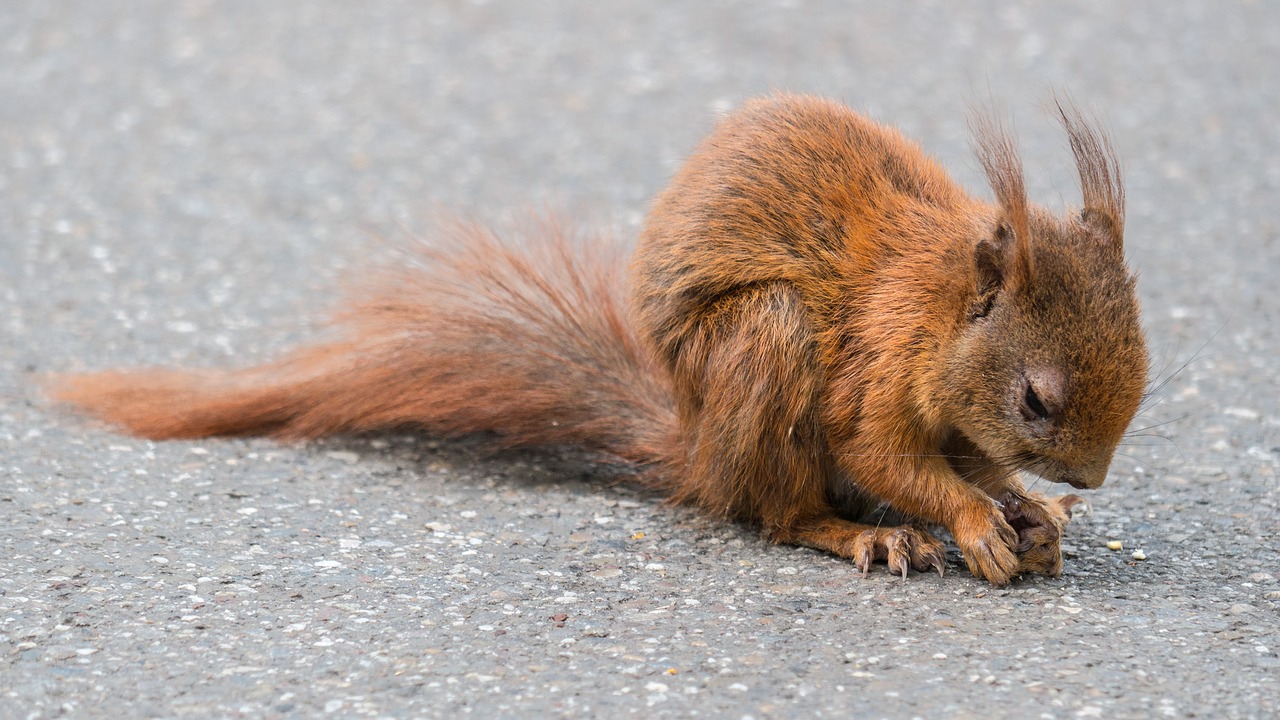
{"points": [[796, 189]]}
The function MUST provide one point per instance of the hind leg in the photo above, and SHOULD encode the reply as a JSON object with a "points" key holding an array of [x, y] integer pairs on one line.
{"points": [[902, 547], [749, 380]]}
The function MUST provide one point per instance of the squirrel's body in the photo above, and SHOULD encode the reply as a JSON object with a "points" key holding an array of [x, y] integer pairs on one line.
{"points": [[836, 228], [820, 321]]}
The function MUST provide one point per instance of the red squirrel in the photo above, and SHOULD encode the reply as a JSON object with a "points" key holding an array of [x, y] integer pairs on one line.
{"points": [[816, 322]]}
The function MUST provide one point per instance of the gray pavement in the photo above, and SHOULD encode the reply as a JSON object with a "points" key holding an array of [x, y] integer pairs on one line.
{"points": [[186, 183]]}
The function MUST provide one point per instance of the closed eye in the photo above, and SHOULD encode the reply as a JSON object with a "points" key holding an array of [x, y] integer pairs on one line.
{"points": [[1032, 406]]}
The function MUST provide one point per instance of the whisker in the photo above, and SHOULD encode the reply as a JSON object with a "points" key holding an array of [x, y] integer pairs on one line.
{"points": [[1151, 392], [1156, 425], [914, 455], [1131, 457], [884, 510]]}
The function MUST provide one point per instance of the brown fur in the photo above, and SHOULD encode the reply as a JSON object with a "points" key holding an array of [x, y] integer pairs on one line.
{"points": [[525, 336], [820, 320]]}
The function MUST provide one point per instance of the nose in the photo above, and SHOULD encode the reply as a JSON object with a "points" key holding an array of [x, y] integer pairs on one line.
{"points": [[1088, 477]]}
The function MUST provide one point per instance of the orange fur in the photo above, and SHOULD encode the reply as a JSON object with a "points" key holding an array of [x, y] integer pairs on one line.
{"points": [[524, 336], [844, 326], [819, 321]]}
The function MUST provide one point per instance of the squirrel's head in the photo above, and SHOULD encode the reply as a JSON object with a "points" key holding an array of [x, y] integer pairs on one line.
{"points": [[1052, 338]]}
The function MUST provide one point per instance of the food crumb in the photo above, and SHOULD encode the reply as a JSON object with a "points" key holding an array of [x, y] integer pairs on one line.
{"points": [[1115, 544]]}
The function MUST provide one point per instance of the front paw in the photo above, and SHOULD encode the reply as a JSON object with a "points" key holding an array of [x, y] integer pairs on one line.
{"points": [[1038, 522], [987, 542]]}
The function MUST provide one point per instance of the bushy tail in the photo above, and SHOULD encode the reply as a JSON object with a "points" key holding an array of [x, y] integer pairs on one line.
{"points": [[526, 336]]}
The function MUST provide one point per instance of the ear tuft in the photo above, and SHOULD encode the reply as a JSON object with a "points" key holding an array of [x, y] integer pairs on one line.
{"points": [[998, 152], [1101, 182]]}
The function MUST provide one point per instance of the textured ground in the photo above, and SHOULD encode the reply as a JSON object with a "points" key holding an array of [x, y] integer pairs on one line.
{"points": [[184, 182]]}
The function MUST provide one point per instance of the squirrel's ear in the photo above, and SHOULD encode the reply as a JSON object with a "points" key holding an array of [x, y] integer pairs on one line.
{"points": [[989, 260], [993, 258], [996, 259], [1105, 225]]}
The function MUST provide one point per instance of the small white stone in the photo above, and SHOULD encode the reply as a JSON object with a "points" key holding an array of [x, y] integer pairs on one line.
{"points": [[656, 687]]}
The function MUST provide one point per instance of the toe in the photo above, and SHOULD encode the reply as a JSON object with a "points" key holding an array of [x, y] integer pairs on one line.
{"points": [[864, 551], [898, 551], [927, 552]]}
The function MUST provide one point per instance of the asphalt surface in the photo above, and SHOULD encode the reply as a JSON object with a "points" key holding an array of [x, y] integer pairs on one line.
{"points": [[186, 183]]}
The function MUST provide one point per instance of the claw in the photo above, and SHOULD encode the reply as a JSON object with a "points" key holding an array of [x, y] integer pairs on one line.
{"points": [[898, 565], [897, 547], [864, 552], [937, 564], [903, 549], [864, 564]]}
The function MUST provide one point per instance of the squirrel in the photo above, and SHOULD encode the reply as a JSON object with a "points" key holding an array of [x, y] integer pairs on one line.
{"points": [[816, 322]]}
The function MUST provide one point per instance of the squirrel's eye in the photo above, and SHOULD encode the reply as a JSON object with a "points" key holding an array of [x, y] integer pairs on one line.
{"points": [[1032, 406]]}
